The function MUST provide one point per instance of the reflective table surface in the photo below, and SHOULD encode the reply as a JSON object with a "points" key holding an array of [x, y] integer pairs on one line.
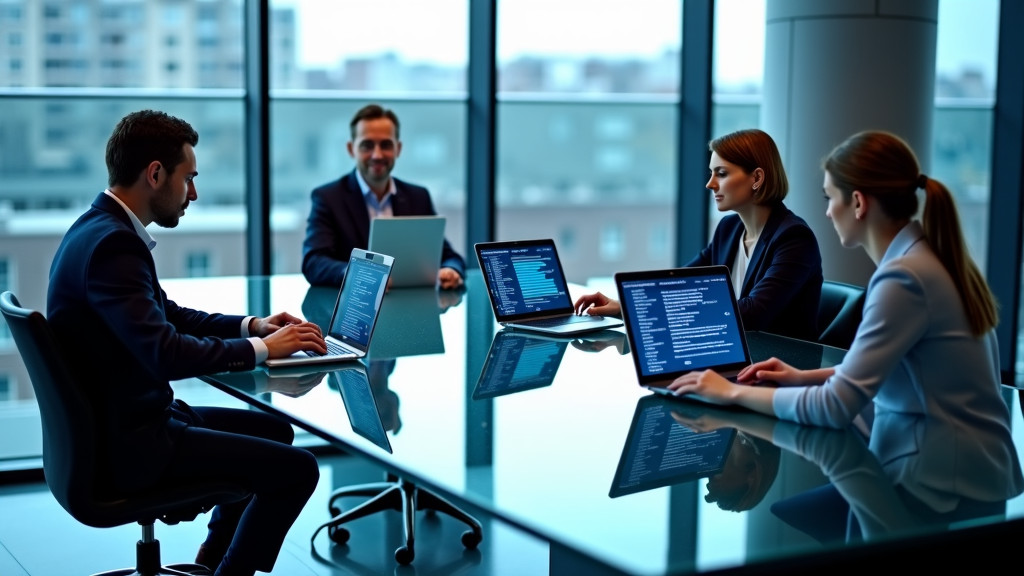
{"points": [[555, 437]]}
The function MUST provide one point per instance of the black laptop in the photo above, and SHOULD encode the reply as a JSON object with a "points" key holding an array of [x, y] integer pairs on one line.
{"points": [[680, 320], [528, 290]]}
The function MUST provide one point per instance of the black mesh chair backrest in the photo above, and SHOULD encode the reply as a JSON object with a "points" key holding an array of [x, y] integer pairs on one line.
{"points": [[839, 313], [69, 431]]}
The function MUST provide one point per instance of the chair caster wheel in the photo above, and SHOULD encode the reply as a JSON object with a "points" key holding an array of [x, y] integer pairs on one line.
{"points": [[337, 534], [471, 539], [404, 555]]}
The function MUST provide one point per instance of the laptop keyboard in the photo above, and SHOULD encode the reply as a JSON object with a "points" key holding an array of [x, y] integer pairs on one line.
{"points": [[563, 320], [333, 349]]}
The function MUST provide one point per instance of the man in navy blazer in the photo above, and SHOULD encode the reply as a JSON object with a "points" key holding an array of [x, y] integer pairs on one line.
{"points": [[126, 340], [339, 218]]}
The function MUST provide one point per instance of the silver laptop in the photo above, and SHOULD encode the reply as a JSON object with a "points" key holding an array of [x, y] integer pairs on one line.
{"points": [[415, 242], [528, 290], [680, 320], [355, 311]]}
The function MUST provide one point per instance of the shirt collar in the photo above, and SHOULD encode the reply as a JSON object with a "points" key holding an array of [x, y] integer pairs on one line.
{"points": [[365, 188], [139, 228]]}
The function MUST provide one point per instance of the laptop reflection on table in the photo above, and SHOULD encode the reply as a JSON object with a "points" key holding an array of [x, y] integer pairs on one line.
{"points": [[519, 361], [659, 451], [409, 324], [360, 405]]}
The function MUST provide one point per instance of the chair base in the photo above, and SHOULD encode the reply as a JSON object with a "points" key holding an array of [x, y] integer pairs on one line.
{"points": [[147, 561], [395, 494]]}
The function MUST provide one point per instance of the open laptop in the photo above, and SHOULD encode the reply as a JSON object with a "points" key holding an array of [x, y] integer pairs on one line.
{"points": [[360, 405], [519, 361], [680, 320], [355, 311], [415, 242], [659, 451], [528, 290]]}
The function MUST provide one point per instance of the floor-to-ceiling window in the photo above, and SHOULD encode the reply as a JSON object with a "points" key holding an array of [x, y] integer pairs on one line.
{"points": [[328, 59], [586, 122], [69, 70], [586, 130]]}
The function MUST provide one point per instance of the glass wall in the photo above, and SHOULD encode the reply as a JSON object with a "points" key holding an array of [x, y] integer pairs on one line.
{"points": [[325, 65], [586, 123], [586, 130], [69, 70]]}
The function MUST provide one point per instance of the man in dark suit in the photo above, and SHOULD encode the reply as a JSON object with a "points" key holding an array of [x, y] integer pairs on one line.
{"points": [[126, 340], [339, 219]]}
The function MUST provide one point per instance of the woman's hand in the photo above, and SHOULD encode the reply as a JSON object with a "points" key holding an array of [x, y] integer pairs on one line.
{"points": [[776, 371], [597, 304], [707, 384]]}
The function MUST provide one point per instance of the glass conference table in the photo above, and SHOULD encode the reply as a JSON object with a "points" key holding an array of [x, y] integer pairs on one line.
{"points": [[556, 438]]}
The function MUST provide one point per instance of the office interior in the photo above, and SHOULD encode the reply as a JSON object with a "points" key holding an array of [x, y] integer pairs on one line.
{"points": [[515, 134]]}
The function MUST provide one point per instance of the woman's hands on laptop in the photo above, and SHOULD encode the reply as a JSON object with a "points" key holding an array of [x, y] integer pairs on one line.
{"points": [[285, 334], [597, 304]]}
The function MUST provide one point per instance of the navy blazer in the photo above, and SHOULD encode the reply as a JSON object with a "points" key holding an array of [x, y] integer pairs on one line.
{"points": [[124, 340], [338, 222], [782, 287]]}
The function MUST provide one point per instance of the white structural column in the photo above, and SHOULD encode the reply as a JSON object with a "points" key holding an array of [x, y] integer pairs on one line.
{"points": [[833, 68]]}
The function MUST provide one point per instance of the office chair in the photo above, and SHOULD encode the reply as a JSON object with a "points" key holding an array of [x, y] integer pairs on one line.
{"points": [[839, 313], [70, 447], [395, 494]]}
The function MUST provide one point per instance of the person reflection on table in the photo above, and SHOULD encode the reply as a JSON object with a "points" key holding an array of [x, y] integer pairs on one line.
{"points": [[292, 385], [598, 341], [925, 352], [859, 501], [450, 298], [378, 372], [749, 471]]}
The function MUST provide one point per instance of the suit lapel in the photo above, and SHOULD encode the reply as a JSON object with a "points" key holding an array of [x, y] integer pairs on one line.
{"points": [[400, 201], [732, 243], [757, 257], [352, 196]]}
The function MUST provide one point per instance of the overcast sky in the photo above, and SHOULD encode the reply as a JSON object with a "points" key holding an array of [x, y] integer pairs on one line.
{"points": [[436, 31]]}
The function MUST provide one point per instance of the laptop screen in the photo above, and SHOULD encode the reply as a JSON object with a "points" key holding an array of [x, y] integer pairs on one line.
{"points": [[524, 278], [681, 320], [661, 452], [518, 362], [359, 301]]}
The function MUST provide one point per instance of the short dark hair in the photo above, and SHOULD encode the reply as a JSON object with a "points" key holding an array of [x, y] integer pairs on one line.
{"points": [[142, 137], [373, 112]]}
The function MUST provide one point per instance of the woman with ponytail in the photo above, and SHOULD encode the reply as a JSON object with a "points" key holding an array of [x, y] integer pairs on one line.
{"points": [[925, 352]]}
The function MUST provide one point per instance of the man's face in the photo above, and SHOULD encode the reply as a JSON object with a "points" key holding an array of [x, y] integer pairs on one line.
{"points": [[174, 191], [375, 148]]}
